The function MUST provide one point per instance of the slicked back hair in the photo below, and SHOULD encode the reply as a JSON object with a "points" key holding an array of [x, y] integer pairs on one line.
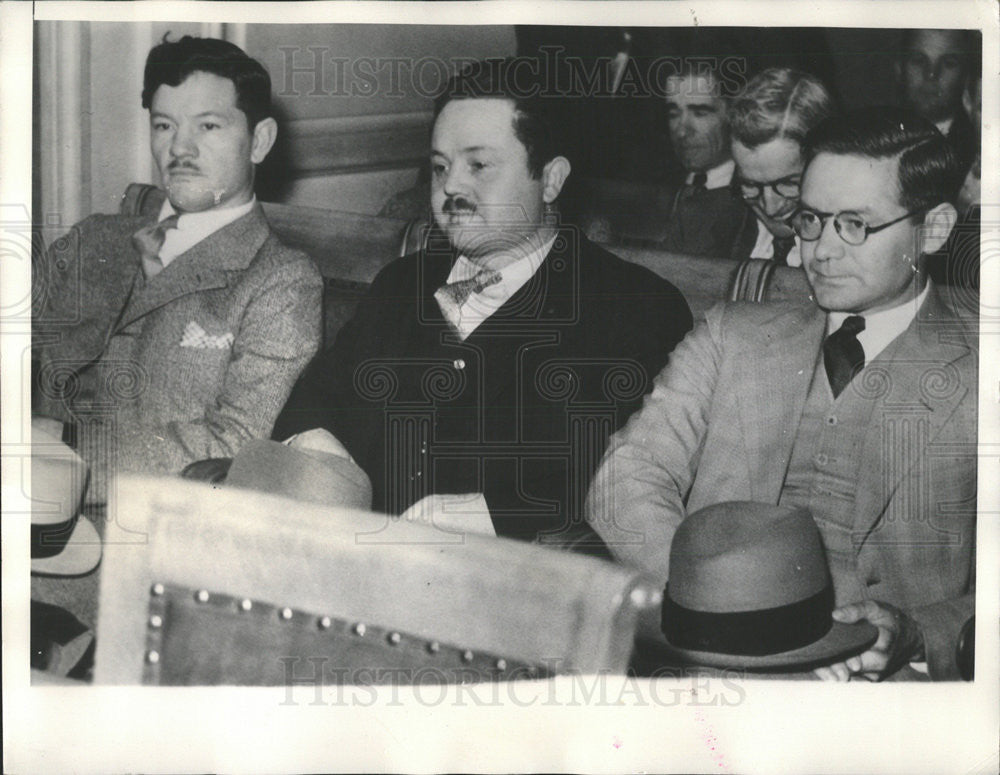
{"points": [[929, 171], [170, 63], [779, 103], [516, 81]]}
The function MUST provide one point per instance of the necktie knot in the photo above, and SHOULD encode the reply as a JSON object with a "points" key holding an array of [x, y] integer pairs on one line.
{"points": [[451, 296], [843, 354], [698, 182], [782, 247], [149, 240]]}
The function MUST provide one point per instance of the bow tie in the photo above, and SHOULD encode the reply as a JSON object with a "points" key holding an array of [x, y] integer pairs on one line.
{"points": [[452, 296], [148, 241]]}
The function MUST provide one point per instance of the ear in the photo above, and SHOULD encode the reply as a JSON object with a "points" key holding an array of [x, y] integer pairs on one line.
{"points": [[554, 175], [264, 135], [937, 225], [967, 100]]}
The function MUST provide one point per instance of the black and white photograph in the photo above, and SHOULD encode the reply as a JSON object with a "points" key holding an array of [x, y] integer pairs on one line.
{"points": [[496, 386]]}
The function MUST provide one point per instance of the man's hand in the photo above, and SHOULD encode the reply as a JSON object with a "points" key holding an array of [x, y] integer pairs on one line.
{"points": [[899, 642]]}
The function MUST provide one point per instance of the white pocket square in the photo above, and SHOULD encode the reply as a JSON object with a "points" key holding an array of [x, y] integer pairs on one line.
{"points": [[198, 337]]}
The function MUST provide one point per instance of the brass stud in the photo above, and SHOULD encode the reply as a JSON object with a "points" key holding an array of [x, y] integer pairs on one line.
{"points": [[155, 621], [152, 657], [202, 596], [360, 629], [286, 613], [394, 638], [433, 647], [157, 589], [466, 656], [246, 604], [324, 623]]}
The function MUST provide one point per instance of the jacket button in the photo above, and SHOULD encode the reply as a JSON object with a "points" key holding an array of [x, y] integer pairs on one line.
{"points": [[458, 363], [821, 459], [831, 420]]}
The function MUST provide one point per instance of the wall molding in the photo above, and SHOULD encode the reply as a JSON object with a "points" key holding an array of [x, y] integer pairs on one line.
{"points": [[319, 146]]}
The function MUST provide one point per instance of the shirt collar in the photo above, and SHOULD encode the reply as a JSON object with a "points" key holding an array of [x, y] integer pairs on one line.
{"points": [[883, 326], [719, 176], [514, 275], [192, 228]]}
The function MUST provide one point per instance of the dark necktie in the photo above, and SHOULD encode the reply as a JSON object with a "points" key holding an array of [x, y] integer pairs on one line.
{"points": [[148, 241], [782, 247], [843, 354], [697, 185]]}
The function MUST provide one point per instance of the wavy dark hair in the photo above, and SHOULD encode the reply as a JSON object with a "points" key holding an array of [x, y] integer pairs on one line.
{"points": [[929, 170], [517, 80], [170, 63]]}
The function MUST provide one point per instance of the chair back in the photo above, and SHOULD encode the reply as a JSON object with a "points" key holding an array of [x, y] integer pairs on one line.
{"points": [[204, 586]]}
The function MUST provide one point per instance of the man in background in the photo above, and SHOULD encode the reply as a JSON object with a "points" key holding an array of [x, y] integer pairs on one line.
{"points": [[705, 217], [769, 122], [933, 68], [499, 358], [159, 341]]}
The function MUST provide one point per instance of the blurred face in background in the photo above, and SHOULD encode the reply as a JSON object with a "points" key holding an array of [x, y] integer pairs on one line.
{"points": [[769, 176], [932, 73], [699, 128]]}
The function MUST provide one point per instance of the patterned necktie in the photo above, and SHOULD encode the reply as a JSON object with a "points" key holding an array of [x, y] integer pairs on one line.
{"points": [[843, 354], [148, 241], [451, 296], [782, 247]]}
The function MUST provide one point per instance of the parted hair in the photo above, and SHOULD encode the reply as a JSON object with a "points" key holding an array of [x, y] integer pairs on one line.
{"points": [[779, 103], [507, 79], [929, 170], [170, 63]]}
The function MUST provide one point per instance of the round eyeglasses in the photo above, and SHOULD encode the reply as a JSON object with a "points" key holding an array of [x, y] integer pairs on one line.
{"points": [[851, 227], [786, 188]]}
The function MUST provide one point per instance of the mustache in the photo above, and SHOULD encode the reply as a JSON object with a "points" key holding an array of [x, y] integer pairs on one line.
{"points": [[458, 204], [181, 164]]}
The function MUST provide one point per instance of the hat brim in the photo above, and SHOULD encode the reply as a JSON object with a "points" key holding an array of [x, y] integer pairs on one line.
{"points": [[842, 641], [80, 555]]}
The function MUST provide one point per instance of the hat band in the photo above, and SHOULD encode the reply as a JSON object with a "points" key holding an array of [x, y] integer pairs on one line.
{"points": [[49, 540], [755, 633]]}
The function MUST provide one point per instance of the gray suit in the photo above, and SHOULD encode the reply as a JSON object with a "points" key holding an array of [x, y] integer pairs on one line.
{"points": [[187, 366], [721, 422]]}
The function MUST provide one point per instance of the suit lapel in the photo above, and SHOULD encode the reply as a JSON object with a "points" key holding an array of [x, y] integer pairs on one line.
{"points": [[918, 390], [205, 266], [774, 370]]}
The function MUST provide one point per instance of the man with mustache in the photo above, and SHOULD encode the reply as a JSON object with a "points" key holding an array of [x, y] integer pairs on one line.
{"points": [[860, 406], [498, 359], [705, 217], [769, 121], [164, 340]]}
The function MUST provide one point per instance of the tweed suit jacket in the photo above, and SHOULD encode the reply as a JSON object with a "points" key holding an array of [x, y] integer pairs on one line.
{"points": [[520, 410], [187, 366], [720, 425]]}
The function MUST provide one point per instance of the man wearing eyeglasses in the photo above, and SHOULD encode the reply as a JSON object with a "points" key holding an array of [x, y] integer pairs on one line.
{"points": [[859, 405], [769, 121]]}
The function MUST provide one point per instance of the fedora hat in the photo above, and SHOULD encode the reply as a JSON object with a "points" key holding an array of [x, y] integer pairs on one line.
{"points": [[302, 473], [62, 544], [749, 587]]}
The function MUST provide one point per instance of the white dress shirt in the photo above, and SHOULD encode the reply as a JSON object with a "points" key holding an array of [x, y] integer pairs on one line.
{"points": [[719, 176], [764, 247], [883, 326], [192, 228], [479, 306]]}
